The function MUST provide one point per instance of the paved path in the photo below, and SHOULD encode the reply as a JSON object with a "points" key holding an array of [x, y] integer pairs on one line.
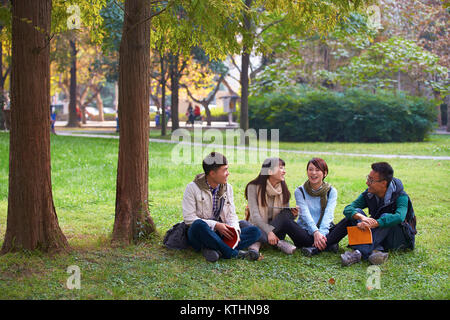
{"points": [[384, 156], [112, 125]]}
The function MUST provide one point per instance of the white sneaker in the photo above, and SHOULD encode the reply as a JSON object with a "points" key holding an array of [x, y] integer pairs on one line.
{"points": [[286, 247]]}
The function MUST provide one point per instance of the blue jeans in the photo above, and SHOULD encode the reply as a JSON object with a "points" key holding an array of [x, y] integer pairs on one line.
{"points": [[201, 236], [379, 235]]}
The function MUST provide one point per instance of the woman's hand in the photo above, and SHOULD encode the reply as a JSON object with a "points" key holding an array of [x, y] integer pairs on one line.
{"points": [[320, 241], [295, 211], [272, 238]]}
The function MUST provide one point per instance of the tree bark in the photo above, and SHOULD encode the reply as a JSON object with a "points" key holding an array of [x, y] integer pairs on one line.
{"points": [[3, 77], [438, 109], [99, 102], [73, 117], [244, 90], [132, 219], [32, 222], [162, 117], [175, 88], [245, 63], [2, 85]]}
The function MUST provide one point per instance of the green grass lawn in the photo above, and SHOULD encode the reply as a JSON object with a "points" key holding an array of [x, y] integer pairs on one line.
{"points": [[83, 177]]}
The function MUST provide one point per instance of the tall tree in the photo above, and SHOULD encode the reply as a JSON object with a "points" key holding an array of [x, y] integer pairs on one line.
{"points": [[4, 23], [79, 15], [309, 17], [175, 71], [245, 64], [73, 118], [132, 218], [32, 222]]}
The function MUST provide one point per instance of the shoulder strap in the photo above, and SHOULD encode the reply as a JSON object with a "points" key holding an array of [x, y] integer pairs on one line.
{"points": [[303, 192], [323, 212]]}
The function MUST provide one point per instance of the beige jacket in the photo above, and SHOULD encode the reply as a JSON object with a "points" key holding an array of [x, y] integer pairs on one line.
{"points": [[197, 203]]}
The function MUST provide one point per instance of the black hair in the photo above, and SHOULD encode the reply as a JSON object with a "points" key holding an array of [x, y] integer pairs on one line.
{"points": [[261, 180], [213, 161], [385, 171]]}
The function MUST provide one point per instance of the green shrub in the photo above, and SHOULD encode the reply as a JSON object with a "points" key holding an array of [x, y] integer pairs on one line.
{"points": [[351, 116]]}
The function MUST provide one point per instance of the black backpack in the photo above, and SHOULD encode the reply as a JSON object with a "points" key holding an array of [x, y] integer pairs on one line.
{"points": [[176, 237]]}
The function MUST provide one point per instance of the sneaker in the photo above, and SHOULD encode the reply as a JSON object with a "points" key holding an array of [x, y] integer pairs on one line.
{"points": [[210, 255], [333, 248], [350, 257], [255, 246], [286, 247], [378, 257], [310, 251], [251, 254]]}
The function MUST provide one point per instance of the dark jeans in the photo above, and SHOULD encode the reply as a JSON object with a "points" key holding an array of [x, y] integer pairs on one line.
{"points": [[302, 238], [381, 237], [201, 236], [285, 225]]}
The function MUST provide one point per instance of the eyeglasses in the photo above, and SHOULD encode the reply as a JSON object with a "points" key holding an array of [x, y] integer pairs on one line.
{"points": [[370, 180]]}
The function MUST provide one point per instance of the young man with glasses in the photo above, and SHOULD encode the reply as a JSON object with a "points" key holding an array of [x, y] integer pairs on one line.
{"points": [[391, 217]]}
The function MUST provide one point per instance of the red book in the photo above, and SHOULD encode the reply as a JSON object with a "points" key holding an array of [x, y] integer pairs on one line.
{"points": [[232, 243]]}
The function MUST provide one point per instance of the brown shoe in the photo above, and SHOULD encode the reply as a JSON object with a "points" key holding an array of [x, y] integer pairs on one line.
{"points": [[350, 257], [378, 257]]}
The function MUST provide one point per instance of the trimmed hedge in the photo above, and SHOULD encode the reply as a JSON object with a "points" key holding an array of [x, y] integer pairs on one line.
{"points": [[352, 116]]}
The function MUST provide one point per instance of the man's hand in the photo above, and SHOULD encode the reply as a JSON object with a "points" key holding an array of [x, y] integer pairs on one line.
{"points": [[272, 238], [367, 223], [223, 230], [320, 241]]}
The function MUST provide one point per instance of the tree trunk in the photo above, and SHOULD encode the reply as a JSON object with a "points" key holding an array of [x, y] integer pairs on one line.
{"points": [[162, 117], [116, 96], [437, 96], [32, 222], [174, 87], [73, 117], [2, 85], [132, 219], [99, 101], [244, 72], [205, 105], [244, 91]]}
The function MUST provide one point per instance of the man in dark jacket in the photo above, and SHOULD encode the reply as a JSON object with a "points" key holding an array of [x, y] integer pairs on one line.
{"points": [[391, 217]]}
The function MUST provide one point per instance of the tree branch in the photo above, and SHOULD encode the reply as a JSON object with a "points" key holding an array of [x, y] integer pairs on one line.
{"points": [[150, 17], [235, 64], [269, 25], [210, 96]]}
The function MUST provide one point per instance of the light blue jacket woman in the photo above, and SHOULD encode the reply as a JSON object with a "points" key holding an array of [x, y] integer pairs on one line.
{"points": [[310, 211]]}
